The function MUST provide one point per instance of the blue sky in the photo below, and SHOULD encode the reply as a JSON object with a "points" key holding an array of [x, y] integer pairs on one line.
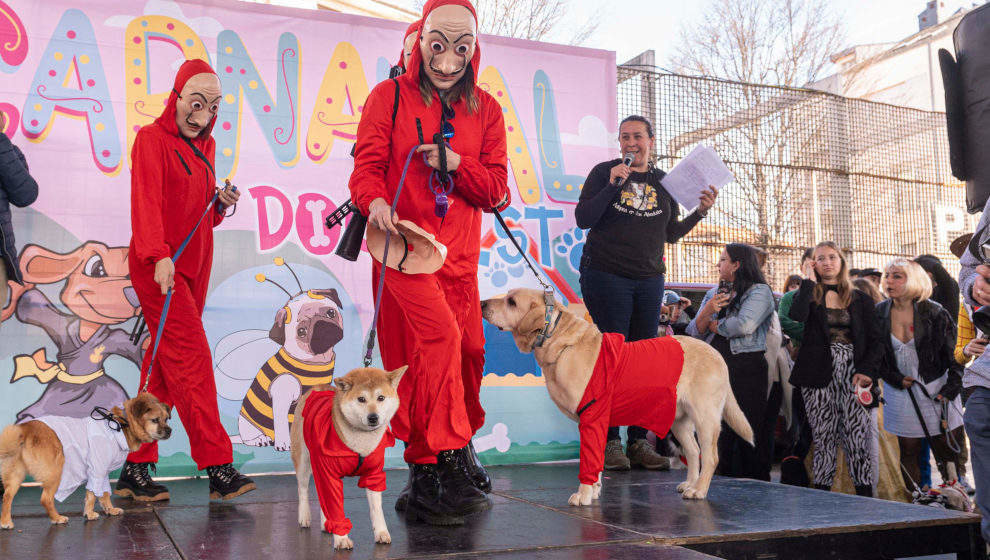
{"points": [[632, 26]]}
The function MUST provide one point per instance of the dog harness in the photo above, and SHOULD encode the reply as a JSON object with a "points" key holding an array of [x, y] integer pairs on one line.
{"points": [[91, 448], [332, 460], [633, 383], [257, 404]]}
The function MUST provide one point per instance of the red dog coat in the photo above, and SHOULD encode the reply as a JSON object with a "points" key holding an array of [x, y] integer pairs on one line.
{"points": [[633, 383], [332, 460]]}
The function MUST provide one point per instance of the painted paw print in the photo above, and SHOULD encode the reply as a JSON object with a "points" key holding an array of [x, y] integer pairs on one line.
{"points": [[499, 273], [571, 246]]}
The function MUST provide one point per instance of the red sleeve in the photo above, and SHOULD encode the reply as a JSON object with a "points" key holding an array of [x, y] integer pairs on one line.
{"points": [[330, 490], [483, 181], [147, 185], [374, 478], [593, 427], [373, 147]]}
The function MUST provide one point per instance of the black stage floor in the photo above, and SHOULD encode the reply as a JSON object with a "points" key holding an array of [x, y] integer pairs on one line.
{"points": [[640, 516]]}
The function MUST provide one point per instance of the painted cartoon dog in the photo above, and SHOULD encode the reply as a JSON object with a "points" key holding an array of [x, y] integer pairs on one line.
{"points": [[98, 295], [307, 328]]}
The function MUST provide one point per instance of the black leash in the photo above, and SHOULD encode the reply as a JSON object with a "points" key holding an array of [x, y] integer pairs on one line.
{"points": [[548, 291]]}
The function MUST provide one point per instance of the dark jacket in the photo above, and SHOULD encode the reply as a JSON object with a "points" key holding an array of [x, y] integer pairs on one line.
{"points": [[17, 188], [813, 367], [935, 341]]}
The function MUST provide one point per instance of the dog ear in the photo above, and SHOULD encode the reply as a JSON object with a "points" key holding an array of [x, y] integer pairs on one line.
{"points": [[138, 408], [41, 266], [329, 293], [343, 384], [277, 333], [395, 375]]}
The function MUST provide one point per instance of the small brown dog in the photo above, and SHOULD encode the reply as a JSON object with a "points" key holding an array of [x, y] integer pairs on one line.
{"points": [[340, 432], [62, 453]]}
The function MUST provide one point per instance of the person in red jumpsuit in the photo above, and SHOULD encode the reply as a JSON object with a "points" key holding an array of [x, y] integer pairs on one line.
{"points": [[172, 181], [432, 322]]}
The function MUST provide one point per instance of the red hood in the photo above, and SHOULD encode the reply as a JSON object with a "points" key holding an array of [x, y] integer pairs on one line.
{"points": [[413, 27], [416, 60], [188, 69]]}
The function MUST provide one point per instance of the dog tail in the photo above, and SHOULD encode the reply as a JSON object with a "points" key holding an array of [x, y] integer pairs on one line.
{"points": [[736, 420], [11, 440]]}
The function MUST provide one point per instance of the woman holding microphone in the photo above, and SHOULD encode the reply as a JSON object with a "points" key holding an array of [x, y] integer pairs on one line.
{"points": [[630, 217]]}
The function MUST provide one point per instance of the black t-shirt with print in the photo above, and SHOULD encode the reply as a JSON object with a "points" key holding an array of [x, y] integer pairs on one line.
{"points": [[628, 225]]}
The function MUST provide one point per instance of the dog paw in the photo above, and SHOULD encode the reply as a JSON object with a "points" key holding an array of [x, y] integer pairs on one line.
{"points": [[577, 499], [383, 537], [61, 520], [91, 515], [693, 494], [304, 519], [115, 511], [342, 542], [7, 525], [683, 486]]}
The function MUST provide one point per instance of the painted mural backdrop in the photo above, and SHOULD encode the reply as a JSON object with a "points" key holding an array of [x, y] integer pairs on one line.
{"points": [[77, 80]]}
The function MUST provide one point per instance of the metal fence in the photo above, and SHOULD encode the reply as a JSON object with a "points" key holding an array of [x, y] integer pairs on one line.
{"points": [[809, 166]]}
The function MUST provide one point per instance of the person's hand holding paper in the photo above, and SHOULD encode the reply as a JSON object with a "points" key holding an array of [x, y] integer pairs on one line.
{"points": [[695, 180]]}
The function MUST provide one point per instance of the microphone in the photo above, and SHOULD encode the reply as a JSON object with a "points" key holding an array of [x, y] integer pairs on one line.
{"points": [[627, 160]]}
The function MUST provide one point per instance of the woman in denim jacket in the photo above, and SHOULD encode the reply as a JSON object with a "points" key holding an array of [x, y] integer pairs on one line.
{"points": [[735, 322], [841, 349]]}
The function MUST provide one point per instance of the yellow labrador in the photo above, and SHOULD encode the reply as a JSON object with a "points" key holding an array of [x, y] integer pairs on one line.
{"points": [[567, 359]]}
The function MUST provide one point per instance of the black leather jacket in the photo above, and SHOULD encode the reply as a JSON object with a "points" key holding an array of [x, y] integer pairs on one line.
{"points": [[934, 340]]}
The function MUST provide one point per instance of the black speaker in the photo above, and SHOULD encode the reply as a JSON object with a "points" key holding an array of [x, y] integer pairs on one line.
{"points": [[967, 104]]}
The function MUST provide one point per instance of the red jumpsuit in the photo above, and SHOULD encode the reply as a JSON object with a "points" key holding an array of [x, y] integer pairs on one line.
{"points": [[170, 187], [432, 322], [332, 460], [633, 384]]}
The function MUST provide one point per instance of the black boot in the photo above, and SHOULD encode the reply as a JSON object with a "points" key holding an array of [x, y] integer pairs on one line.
{"points": [[135, 482], [865, 490], [427, 501], [458, 488], [403, 499], [227, 483], [479, 476]]}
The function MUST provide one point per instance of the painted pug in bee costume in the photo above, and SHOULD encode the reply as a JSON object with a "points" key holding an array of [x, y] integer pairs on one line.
{"points": [[432, 321]]}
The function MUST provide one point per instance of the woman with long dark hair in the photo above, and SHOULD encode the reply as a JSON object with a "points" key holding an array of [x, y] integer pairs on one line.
{"points": [[945, 289], [840, 350], [630, 217], [735, 318]]}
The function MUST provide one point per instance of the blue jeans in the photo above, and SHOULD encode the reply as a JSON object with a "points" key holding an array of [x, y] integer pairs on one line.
{"points": [[977, 422], [626, 306]]}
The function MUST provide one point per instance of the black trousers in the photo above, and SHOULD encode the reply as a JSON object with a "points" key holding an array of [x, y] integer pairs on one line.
{"points": [[748, 379]]}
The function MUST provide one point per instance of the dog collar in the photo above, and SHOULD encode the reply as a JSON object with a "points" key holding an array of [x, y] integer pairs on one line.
{"points": [[548, 329]]}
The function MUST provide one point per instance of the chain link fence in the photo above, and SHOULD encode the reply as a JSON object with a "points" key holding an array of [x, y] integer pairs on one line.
{"points": [[809, 166]]}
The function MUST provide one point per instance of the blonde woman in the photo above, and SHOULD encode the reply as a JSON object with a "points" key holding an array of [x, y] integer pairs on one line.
{"points": [[840, 350], [918, 337]]}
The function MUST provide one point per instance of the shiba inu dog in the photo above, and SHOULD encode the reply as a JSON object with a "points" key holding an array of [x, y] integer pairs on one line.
{"points": [[593, 378], [62, 453], [344, 432]]}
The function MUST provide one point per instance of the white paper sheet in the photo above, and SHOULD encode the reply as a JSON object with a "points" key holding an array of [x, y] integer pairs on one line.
{"points": [[692, 175]]}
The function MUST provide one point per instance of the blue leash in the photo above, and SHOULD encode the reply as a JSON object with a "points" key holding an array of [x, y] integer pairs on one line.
{"points": [[381, 276], [168, 295]]}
